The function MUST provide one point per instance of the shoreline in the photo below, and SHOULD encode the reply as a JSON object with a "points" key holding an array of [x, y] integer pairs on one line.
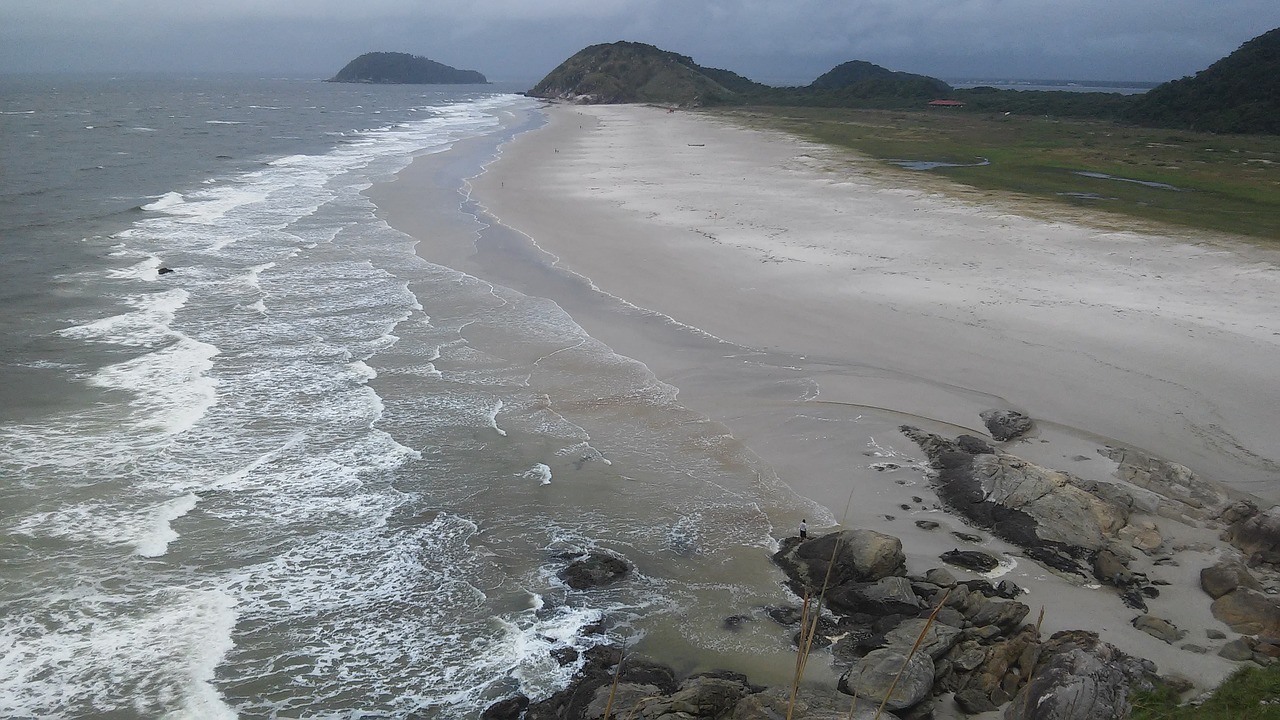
{"points": [[812, 310]]}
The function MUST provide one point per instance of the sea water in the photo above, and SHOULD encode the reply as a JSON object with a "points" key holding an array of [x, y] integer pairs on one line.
{"points": [[259, 459]]}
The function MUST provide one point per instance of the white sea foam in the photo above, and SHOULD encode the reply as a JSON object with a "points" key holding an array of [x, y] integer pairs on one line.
{"points": [[254, 274], [111, 655], [171, 388], [539, 472], [156, 543], [164, 202], [148, 269], [493, 418]]}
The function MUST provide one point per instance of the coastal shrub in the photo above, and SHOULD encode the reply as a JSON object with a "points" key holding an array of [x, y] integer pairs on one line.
{"points": [[1251, 694]]}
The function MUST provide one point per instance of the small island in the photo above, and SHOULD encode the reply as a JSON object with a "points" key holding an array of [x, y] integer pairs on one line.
{"points": [[396, 68]]}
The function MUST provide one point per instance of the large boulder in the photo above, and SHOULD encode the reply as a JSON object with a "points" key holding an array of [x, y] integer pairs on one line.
{"points": [[593, 570], [1005, 424], [1197, 498], [1258, 536], [886, 596], [1057, 518], [838, 558], [809, 705], [1249, 612], [1079, 677], [936, 639], [698, 697], [1224, 577], [892, 673]]}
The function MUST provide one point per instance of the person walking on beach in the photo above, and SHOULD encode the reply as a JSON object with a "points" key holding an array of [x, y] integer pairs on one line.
{"points": [[804, 529]]}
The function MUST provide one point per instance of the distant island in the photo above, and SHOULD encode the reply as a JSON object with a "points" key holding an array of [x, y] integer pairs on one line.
{"points": [[396, 68], [1234, 95]]}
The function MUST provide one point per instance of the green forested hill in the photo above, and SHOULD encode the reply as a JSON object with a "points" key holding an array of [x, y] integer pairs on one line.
{"points": [[1238, 94], [397, 67], [624, 72]]}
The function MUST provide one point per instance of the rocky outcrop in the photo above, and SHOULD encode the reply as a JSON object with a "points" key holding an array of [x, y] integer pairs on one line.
{"points": [[1005, 424], [1249, 612], [1079, 677], [1057, 518], [1181, 493], [1225, 577], [893, 675], [839, 559], [593, 570], [1256, 533]]}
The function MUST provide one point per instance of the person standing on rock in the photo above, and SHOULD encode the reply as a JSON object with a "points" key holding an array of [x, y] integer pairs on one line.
{"points": [[804, 529]]}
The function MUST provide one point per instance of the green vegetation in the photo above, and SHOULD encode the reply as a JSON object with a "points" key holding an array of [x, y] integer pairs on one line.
{"points": [[1239, 93], [624, 72], [1225, 183], [1251, 694], [403, 68]]}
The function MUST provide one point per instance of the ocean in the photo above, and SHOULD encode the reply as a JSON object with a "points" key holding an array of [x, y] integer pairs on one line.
{"points": [[260, 459]]}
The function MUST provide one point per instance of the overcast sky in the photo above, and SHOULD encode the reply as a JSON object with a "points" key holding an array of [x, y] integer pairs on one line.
{"points": [[522, 40]]}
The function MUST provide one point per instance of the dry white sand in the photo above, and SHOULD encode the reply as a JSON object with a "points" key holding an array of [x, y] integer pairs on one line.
{"points": [[812, 301]]}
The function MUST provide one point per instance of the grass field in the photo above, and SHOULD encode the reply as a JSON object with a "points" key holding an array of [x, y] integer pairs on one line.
{"points": [[1221, 183]]}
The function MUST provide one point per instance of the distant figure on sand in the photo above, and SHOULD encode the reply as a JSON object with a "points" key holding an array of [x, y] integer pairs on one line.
{"points": [[804, 529]]}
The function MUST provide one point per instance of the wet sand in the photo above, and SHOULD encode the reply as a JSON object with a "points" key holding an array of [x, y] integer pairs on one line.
{"points": [[813, 302]]}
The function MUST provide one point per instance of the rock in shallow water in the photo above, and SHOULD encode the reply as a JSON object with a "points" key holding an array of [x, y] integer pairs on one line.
{"points": [[1005, 424]]}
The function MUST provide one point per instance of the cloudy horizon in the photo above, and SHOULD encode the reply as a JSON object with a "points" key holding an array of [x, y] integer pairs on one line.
{"points": [[511, 40]]}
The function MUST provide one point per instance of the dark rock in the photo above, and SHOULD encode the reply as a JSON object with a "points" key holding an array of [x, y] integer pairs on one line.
{"points": [[164, 271], [1113, 570], [1193, 648], [506, 709], [784, 614], [1056, 518], [820, 639], [1159, 628], [859, 556], [873, 675], [886, 596], [1214, 634], [810, 704], [1248, 612], [967, 537], [952, 617], [927, 525], [1239, 649], [972, 701], [940, 577], [937, 640], [1005, 424], [1224, 577], [642, 670], [1004, 614], [1079, 677], [594, 570], [565, 655], [1194, 497], [702, 697], [975, 560], [728, 675], [974, 446], [1258, 536], [1133, 599], [735, 622]]}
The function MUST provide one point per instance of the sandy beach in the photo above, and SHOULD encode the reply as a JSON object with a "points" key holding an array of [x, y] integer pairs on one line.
{"points": [[812, 302]]}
